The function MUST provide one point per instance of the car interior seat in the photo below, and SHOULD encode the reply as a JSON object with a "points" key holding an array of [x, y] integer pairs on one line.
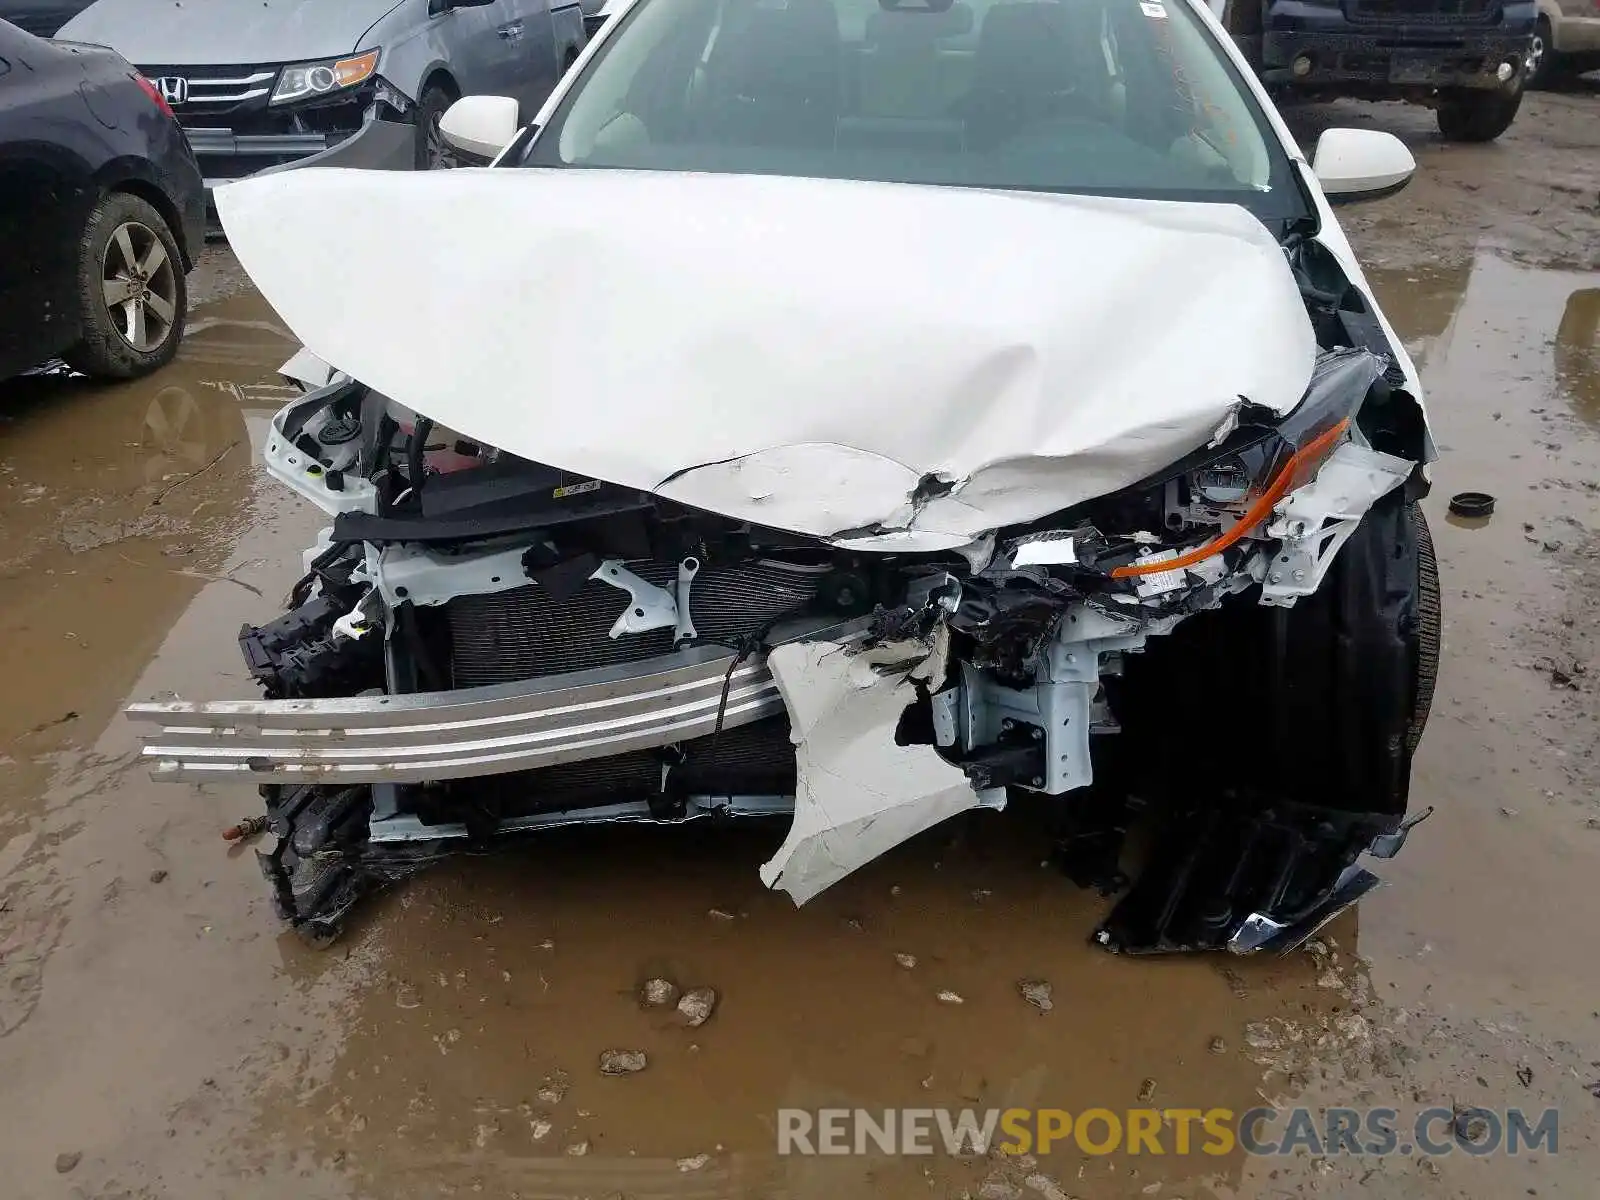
{"points": [[901, 72], [1034, 62], [773, 75]]}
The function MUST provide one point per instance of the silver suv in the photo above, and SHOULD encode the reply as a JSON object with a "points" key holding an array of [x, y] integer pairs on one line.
{"points": [[359, 83]]}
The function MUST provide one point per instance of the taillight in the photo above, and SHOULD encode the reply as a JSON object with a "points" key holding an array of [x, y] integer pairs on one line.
{"points": [[150, 89]]}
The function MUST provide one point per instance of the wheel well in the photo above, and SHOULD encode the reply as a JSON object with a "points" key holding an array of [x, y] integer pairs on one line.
{"points": [[162, 203], [444, 81]]}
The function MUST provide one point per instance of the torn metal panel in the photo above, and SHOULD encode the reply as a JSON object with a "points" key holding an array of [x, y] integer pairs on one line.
{"points": [[858, 794], [952, 359]]}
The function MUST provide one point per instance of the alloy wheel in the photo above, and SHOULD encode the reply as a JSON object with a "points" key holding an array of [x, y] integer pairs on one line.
{"points": [[139, 284]]}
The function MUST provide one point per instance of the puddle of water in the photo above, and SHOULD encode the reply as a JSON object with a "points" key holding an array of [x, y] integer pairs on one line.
{"points": [[119, 501], [1577, 354], [179, 1037], [1482, 898]]}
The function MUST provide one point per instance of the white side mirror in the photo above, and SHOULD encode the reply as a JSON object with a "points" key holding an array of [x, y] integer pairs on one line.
{"points": [[480, 125], [1361, 164]]}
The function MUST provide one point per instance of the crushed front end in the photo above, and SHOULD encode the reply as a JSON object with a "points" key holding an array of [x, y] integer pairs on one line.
{"points": [[1238, 650], [246, 118]]}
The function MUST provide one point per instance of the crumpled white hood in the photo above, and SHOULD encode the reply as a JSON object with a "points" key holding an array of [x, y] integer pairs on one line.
{"points": [[799, 353]]}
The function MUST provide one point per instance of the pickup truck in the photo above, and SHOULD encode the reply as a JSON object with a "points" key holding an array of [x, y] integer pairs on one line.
{"points": [[1468, 60]]}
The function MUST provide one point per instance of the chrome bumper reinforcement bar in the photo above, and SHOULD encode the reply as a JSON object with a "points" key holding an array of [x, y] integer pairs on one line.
{"points": [[469, 732]]}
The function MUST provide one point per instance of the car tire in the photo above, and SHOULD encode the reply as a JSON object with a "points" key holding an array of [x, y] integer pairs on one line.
{"points": [[132, 293], [433, 154], [1543, 68], [1477, 115], [1430, 624]]}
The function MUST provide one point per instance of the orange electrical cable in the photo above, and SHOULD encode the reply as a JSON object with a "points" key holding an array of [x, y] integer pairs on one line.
{"points": [[1304, 460]]}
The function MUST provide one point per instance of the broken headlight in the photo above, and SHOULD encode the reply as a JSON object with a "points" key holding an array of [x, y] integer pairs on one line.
{"points": [[1246, 481], [302, 81]]}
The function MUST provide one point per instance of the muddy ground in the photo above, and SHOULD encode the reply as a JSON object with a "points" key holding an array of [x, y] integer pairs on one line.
{"points": [[160, 1036]]}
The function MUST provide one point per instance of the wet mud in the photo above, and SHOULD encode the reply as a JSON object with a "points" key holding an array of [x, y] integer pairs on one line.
{"points": [[161, 1037]]}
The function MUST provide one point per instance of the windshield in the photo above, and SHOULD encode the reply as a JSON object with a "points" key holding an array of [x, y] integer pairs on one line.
{"points": [[1105, 97]]}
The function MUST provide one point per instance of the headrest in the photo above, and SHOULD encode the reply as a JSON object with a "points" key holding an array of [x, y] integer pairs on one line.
{"points": [[904, 21]]}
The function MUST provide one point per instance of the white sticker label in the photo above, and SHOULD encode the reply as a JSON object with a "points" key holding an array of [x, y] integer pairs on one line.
{"points": [[1151, 9]]}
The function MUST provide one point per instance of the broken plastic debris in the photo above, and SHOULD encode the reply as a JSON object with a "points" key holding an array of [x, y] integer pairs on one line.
{"points": [[577, 1149], [540, 1129], [906, 960], [949, 997], [693, 1164]]}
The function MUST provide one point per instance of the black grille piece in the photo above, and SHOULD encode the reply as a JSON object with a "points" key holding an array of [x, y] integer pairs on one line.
{"points": [[1422, 12], [526, 632]]}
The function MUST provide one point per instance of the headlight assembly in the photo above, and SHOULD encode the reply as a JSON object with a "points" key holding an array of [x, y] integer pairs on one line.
{"points": [[1254, 478], [302, 81]]}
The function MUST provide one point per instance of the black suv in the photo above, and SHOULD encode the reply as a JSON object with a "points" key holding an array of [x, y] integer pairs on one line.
{"points": [[1466, 59], [101, 211]]}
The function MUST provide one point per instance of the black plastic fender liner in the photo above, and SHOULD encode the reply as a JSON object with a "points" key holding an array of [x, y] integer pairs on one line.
{"points": [[1275, 745], [1313, 704]]}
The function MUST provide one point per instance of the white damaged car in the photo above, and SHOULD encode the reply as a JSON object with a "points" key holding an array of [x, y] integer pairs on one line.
{"points": [[859, 412]]}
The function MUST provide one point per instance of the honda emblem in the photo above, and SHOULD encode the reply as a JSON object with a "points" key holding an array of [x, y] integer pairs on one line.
{"points": [[174, 88]]}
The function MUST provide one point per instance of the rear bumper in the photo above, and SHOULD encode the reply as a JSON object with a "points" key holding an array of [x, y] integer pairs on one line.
{"points": [[468, 732]]}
